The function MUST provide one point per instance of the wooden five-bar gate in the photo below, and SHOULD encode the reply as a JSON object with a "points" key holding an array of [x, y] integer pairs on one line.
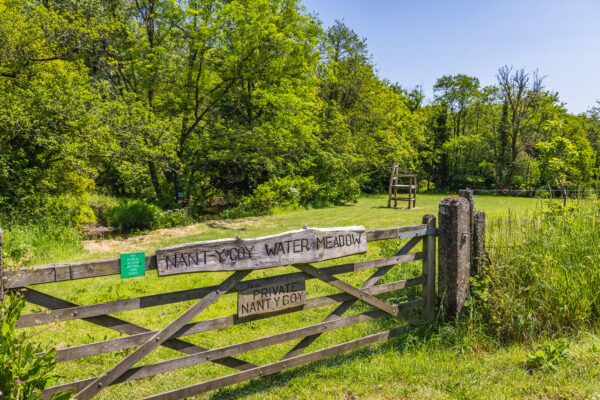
{"points": [[258, 298]]}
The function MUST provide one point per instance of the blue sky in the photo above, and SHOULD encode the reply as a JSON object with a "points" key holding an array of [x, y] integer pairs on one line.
{"points": [[416, 42]]}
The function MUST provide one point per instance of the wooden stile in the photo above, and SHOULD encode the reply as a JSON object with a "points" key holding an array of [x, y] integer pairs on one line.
{"points": [[253, 291]]}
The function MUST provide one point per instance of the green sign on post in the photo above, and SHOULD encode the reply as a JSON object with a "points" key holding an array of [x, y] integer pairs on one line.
{"points": [[133, 264]]}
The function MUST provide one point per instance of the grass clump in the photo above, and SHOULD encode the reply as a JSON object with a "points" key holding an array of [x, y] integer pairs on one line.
{"points": [[139, 215], [546, 281], [35, 243], [133, 214]]}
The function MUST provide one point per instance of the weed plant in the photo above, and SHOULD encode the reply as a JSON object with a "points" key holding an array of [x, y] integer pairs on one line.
{"points": [[543, 278]]}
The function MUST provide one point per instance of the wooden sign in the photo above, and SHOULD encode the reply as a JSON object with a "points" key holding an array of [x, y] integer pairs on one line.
{"points": [[294, 247], [270, 298]]}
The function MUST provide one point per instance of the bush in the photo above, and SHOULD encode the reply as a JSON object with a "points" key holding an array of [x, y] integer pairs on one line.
{"points": [[338, 192], [136, 214], [101, 205], [285, 192], [72, 210], [23, 374], [173, 218], [133, 214]]}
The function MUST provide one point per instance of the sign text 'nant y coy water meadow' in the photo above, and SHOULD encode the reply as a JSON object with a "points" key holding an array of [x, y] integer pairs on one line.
{"points": [[293, 247]]}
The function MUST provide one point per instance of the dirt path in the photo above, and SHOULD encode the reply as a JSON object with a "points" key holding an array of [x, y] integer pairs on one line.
{"points": [[154, 239]]}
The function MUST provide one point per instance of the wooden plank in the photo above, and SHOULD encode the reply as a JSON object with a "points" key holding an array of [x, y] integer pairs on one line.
{"points": [[164, 334], [428, 269], [227, 351], [44, 300], [18, 278], [278, 366], [271, 298], [110, 307], [345, 306], [87, 311], [391, 233], [351, 290], [419, 233], [110, 345], [300, 246]]}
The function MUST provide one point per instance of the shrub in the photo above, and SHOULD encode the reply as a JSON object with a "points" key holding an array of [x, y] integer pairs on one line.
{"points": [[282, 193], [342, 191], [133, 214], [24, 373], [102, 204], [72, 210], [172, 218]]}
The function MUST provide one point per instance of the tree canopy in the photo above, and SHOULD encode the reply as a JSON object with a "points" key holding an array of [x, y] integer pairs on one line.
{"points": [[183, 103]]}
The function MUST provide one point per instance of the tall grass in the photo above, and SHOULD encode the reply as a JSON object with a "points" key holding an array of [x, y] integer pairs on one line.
{"points": [[544, 276], [42, 241]]}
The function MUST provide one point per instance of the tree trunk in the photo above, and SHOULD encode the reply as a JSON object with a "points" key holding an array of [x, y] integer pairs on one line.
{"points": [[563, 189], [154, 179]]}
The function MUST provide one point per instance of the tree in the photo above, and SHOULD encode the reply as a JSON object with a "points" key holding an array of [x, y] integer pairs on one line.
{"points": [[50, 128], [564, 160], [458, 92], [522, 93]]}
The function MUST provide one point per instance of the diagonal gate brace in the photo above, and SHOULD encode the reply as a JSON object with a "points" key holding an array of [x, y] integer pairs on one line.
{"points": [[128, 328], [351, 290], [161, 336], [345, 306]]}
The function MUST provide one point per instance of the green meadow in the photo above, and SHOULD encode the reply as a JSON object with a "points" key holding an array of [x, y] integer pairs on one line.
{"points": [[472, 358]]}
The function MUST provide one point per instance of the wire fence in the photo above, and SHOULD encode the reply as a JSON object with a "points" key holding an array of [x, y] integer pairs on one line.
{"points": [[541, 193], [511, 232]]}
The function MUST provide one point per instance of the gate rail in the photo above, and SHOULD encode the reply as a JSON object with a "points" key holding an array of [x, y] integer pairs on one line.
{"points": [[147, 340]]}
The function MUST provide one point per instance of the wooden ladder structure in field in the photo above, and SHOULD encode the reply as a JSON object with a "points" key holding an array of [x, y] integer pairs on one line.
{"points": [[395, 185]]}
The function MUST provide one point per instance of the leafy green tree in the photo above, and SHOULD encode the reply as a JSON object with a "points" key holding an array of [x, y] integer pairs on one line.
{"points": [[48, 108], [566, 158], [458, 92]]}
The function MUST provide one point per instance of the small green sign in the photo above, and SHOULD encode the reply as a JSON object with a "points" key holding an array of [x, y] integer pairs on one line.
{"points": [[133, 264]]}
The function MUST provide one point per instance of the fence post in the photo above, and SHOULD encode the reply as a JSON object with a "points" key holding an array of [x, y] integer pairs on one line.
{"points": [[429, 269], [454, 255], [477, 225], [478, 258]]}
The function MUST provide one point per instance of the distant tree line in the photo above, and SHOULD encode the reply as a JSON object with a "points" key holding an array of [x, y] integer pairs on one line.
{"points": [[189, 103]]}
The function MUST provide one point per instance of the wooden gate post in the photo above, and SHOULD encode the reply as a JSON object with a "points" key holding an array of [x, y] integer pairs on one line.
{"points": [[454, 255]]}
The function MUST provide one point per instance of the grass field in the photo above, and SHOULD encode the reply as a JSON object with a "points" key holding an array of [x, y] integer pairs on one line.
{"points": [[434, 362], [370, 211]]}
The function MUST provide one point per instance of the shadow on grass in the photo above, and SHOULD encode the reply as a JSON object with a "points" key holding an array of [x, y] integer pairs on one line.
{"points": [[397, 208], [399, 344]]}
